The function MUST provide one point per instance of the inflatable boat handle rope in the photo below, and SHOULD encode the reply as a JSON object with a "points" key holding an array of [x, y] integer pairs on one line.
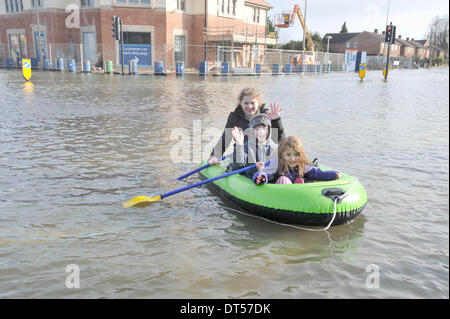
{"points": [[336, 200]]}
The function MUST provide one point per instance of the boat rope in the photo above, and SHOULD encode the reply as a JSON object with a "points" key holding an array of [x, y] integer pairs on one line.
{"points": [[336, 200]]}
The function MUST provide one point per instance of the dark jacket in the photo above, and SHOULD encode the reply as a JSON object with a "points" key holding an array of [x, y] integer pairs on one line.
{"points": [[237, 118]]}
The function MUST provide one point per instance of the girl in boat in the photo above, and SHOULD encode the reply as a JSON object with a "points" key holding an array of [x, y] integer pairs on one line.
{"points": [[292, 166]]}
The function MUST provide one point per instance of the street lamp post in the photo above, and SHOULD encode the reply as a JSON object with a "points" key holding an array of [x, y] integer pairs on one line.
{"points": [[328, 49], [41, 58]]}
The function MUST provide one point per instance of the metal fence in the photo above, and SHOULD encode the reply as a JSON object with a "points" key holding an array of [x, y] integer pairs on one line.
{"points": [[395, 62], [243, 59]]}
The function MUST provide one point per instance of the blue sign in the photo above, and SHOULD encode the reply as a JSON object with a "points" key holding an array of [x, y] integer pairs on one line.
{"points": [[40, 43], [140, 52], [362, 67]]}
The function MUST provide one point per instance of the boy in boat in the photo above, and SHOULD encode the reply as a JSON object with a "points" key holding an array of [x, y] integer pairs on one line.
{"points": [[257, 149]]}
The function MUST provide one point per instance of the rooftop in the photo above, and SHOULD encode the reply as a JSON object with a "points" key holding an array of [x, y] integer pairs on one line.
{"points": [[261, 3], [340, 37]]}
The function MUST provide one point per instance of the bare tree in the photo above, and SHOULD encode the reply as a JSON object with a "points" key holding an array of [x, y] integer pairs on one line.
{"points": [[438, 33]]}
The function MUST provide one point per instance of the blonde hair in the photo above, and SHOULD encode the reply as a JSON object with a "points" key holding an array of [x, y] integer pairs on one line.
{"points": [[253, 93], [296, 144]]}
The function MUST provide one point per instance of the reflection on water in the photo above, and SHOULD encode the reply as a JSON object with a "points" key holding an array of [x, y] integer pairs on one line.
{"points": [[74, 147]]}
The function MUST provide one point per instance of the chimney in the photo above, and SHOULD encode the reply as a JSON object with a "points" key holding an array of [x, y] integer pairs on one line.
{"points": [[383, 32], [407, 39], [399, 36], [412, 39], [375, 31]]}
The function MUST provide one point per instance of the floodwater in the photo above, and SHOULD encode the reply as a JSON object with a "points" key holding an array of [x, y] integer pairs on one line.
{"points": [[74, 147]]}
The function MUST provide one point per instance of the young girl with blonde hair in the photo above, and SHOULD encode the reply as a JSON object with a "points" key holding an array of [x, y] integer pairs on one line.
{"points": [[292, 166]]}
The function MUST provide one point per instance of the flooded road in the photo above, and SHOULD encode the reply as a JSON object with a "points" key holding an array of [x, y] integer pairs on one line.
{"points": [[74, 147]]}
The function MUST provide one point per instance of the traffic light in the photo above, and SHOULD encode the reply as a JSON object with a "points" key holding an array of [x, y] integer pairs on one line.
{"points": [[116, 30], [390, 33]]}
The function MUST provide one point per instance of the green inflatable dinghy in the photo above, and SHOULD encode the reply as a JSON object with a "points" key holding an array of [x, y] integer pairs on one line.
{"points": [[314, 204]]}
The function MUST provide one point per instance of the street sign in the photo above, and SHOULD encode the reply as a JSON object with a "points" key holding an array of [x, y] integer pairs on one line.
{"points": [[385, 69], [362, 71], [26, 69]]}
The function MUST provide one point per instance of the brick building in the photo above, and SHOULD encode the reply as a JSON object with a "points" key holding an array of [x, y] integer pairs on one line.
{"points": [[154, 30], [370, 42]]}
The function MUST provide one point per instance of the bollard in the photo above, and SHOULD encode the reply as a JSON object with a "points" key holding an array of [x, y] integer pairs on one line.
{"points": [[47, 64], [87, 66], [180, 68], [35, 63], [9, 62], [71, 65], [258, 69], [203, 68], [60, 64], [288, 68], [109, 67], [225, 68], [275, 69], [132, 67], [159, 68]]}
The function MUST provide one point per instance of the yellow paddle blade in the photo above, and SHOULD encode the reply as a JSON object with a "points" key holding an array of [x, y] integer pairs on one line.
{"points": [[139, 200]]}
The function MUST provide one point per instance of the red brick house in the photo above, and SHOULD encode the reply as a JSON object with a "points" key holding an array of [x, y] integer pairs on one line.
{"points": [[154, 30], [370, 42]]}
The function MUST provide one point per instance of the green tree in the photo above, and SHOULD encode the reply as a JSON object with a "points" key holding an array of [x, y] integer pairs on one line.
{"points": [[344, 28], [292, 45], [318, 42], [271, 27], [272, 31]]}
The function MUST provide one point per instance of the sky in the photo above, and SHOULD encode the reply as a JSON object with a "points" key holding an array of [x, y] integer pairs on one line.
{"points": [[412, 17]]}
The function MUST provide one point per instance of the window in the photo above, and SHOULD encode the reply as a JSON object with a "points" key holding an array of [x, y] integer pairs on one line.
{"points": [[39, 2], [355, 44], [180, 4], [233, 7], [90, 47], [131, 2], [17, 45], [87, 3], [347, 45], [14, 5], [222, 6], [137, 38], [180, 48]]}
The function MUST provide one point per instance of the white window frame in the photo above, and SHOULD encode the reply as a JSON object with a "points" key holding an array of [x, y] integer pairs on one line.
{"points": [[129, 3]]}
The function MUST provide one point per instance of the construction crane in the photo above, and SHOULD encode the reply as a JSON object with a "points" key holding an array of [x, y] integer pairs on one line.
{"points": [[287, 19]]}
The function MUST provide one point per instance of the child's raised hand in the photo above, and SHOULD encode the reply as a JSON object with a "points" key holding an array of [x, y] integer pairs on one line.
{"points": [[238, 135], [260, 166], [275, 111]]}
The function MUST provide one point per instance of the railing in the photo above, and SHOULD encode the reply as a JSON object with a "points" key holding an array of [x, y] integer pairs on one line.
{"points": [[247, 58]]}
